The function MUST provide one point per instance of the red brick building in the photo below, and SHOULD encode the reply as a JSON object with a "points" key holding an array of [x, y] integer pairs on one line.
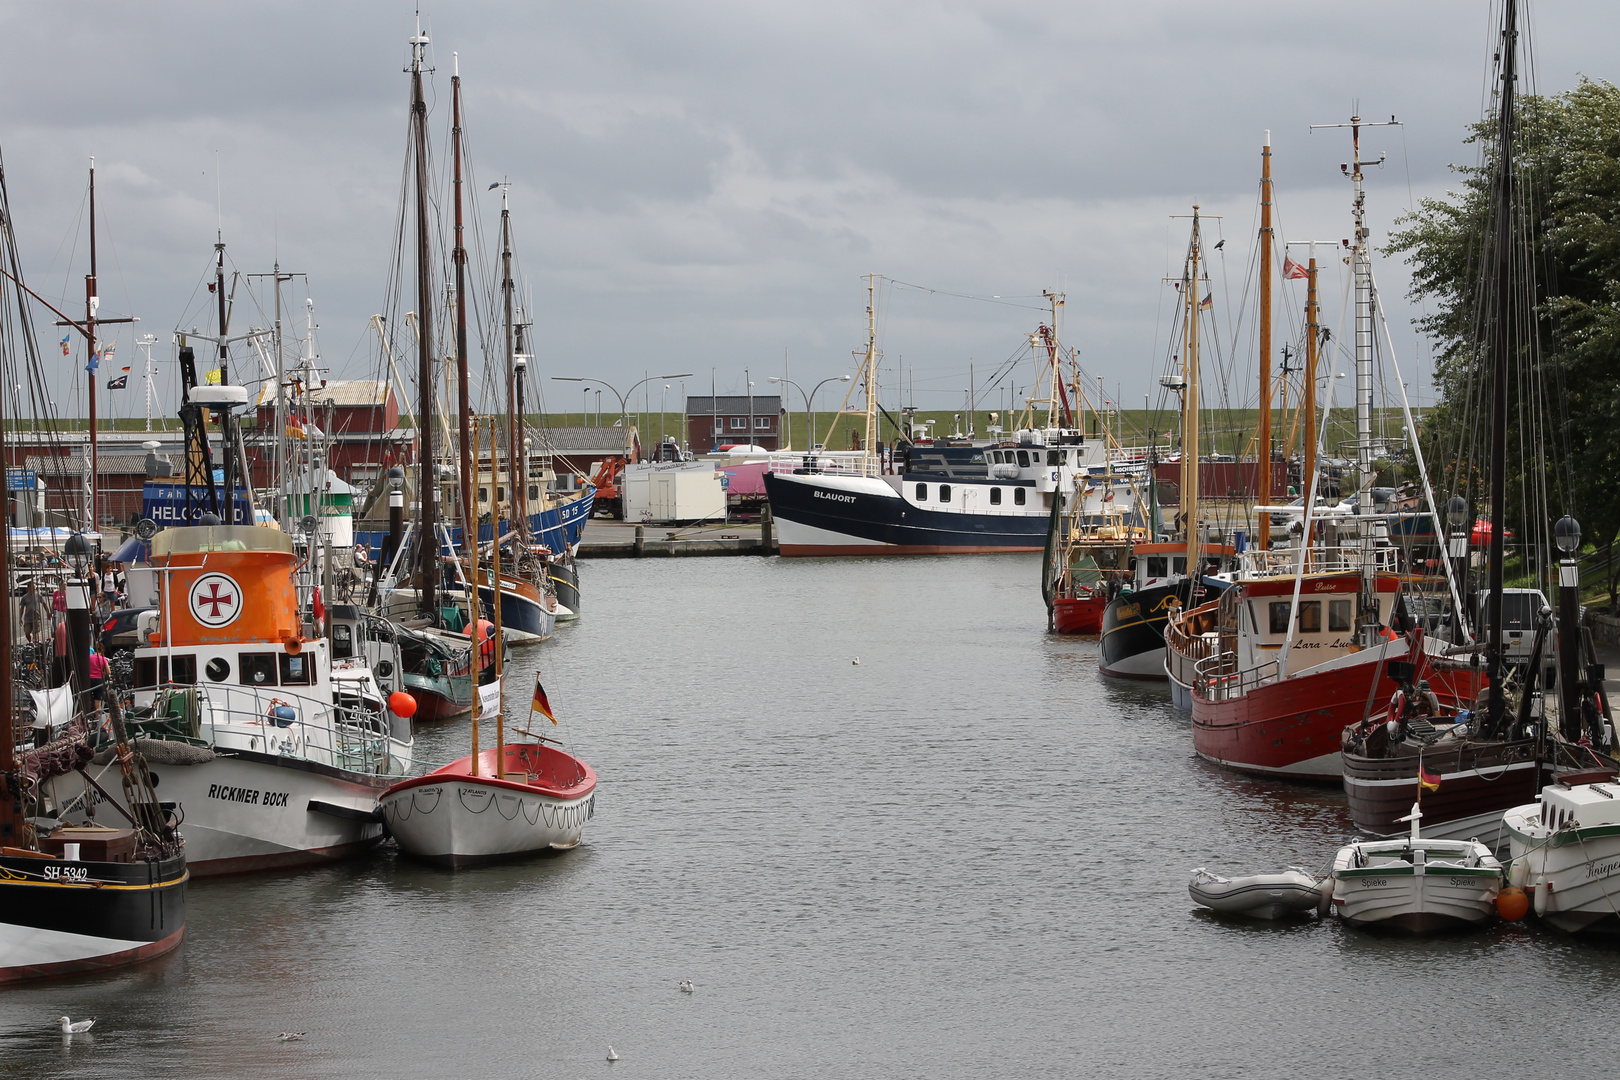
{"points": [[715, 421]]}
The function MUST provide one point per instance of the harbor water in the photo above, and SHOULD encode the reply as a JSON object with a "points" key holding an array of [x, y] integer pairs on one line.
{"points": [[965, 855]]}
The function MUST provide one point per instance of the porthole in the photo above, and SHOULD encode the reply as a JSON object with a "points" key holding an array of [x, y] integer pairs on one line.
{"points": [[218, 669]]}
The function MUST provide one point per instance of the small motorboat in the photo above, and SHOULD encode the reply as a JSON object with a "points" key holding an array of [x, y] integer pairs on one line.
{"points": [[1566, 854], [1416, 885], [1258, 896]]}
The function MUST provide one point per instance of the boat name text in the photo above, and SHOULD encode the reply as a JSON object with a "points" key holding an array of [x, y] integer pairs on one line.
{"points": [[248, 796], [835, 496], [67, 873]]}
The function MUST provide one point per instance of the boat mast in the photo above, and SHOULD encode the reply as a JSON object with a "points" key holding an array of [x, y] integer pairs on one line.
{"points": [[513, 421], [1189, 419], [1361, 268], [1503, 317], [495, 610], [1312, 333], [227, 441], [92, 301], [870, 445], [427, 532], [1263, 457], [469, 449]]}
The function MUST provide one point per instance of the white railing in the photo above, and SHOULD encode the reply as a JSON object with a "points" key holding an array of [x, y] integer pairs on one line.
{"points": [[1285, 562]]}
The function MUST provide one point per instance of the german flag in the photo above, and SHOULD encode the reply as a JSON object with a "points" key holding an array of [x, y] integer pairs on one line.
{"points": [[1427, 781], [542, 704]]}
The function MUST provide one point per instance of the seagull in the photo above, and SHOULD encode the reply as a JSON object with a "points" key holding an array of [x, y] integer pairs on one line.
{"points": [[856, 662], [290, 1036], [70, 1027], [686, 986], [611, 1055]]}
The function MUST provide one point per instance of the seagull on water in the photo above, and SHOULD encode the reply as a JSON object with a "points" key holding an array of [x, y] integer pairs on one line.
{"points": [[611, 1055], [685, 986], [856, 662], [72, 1027], [290, 1036]]}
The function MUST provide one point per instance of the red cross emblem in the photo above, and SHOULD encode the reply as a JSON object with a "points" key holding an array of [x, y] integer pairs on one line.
{"points": [[215, 600]]}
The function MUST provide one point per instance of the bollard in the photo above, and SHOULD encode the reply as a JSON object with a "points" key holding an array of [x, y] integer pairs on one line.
{"points": [[767, 533], [641, 540]]}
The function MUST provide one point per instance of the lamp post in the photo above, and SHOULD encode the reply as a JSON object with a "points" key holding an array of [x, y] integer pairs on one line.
{"points": [[585, 407], [78, 553], [624, 417], [810, 401], [663, 406], [1457, 551], [1567, 535]]}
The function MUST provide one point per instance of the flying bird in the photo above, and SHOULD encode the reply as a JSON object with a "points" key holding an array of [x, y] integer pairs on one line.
{"points": [[71, 1027], [1220, 244]]}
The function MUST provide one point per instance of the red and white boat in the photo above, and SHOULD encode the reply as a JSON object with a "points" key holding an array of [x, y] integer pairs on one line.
{"points": [[539, 800]]}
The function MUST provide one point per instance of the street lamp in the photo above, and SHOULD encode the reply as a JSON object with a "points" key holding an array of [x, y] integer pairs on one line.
{"points": [[810, 399], [1567, 535], [78, 553], [624, 417]]}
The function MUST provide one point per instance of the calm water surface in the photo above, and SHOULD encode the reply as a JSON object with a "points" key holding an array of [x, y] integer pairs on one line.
{"points": [[965, 856]]}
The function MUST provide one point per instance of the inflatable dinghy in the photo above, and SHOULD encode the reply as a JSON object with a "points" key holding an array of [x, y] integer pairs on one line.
{"points": [[1259, 896]]}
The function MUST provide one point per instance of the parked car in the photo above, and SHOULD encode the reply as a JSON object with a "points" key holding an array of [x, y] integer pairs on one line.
{"points": [[122, 629]]}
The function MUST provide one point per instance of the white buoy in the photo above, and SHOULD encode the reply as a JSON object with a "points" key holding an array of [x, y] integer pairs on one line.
{"points": [[70, 1027], [611, 1055]]}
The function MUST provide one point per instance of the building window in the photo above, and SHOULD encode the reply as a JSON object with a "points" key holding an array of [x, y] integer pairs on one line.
{"points": [[995, 496], [1339, 616], [1019, 496], [944, 493], [922, 492], [719, 427], [762, 423], [739, 423]]}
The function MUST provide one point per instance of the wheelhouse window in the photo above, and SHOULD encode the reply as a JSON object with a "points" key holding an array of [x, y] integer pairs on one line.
{"points": [[185, 670], [295, 670], [1019, 497], [1181, 564], [922, 492], [1052, 457], [995, 496], [1158, 566], [1279, 616], [257, 669], [1339, 616], [146, 671], [1310, 616], [1023, 459], [944, 493], [342, 641]]}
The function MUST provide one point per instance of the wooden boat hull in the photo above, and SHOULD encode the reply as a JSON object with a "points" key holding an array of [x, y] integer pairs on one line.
{"points": [[1078, 615], [452, 818], [1408, 898], [61, 918]]}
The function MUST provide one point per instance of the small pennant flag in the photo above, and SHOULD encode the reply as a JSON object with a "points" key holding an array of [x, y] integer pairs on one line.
{"points": [[108, 349], [541, 703], [213, 377], [1207, 302], [125, 370], [1428, 781], [118, 383], [1292, 271], [66, 348]]}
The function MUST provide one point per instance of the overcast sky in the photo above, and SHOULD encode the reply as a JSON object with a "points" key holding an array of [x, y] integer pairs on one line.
{"points": [[700, 187]]}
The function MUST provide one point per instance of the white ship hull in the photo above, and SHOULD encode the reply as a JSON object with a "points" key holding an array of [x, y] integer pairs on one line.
{"points": [[1572, 874], [459, 821]]}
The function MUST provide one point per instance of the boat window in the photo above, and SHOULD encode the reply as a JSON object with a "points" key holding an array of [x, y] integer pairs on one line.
{"points": [[534, 491], [483, 494], [218, 669], [1181, 564], [995, 496], [1023, 459], [146, 671], [258, 669], [1018, 496], [944, 493], [1279, 616], [1254, 617], [1158, 566], [342, 642], [500, 494], [1310, 616], [1339, 616], [295, 670], [185, 670], [1052, 457], [922, 492]]}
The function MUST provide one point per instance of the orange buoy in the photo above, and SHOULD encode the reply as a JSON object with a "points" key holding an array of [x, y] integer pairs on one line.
{"points": [[402, 703], [1512, 904]]}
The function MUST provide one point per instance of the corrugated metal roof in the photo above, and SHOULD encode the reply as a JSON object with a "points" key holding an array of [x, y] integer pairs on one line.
{"points": [[342, 393], [110, 462], [585, 440]]}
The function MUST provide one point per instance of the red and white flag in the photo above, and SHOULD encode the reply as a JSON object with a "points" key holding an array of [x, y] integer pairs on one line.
{"points": [[1292, 271]]}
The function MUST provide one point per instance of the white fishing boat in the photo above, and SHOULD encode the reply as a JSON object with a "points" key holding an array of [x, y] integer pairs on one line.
{"points": [[1566, 853], [1416, 885], [1258, 896]]}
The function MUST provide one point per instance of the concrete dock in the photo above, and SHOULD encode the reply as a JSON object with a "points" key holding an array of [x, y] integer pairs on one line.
{"points": [[605, 539]]}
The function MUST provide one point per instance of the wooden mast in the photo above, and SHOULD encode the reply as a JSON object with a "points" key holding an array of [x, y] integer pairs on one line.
{"points": [[1189, 422], [495, 588], [427, 487], [870, 446], [464, 421], [513, 421], [1312, 334], [1263, 457]]}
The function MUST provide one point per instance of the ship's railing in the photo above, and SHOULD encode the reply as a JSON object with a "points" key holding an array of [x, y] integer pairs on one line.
{"points": [[836, 463], [350, 736], [1335, 559], [1219, 678]]}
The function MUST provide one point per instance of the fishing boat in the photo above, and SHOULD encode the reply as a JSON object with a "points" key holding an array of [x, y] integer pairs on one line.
{"points": [[1565, 849], [74, 897], [1416, 885], [1091, 543], [1180, 571], [1526, 715], [514, 799], [824, 506]]}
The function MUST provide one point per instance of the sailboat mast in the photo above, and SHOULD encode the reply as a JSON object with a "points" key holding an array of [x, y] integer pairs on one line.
{"points": [[1189, 421], [1503, 317], [469, 448], [512, 420], [427, 532], [1312, 310], [227, 442], [1263, 454], [1361, 267], [92, 300], [870, 445]]}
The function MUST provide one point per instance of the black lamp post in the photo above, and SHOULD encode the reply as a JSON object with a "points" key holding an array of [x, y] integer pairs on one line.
{"points": [[1567, 535], [78, 553], [1457, 551]]}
